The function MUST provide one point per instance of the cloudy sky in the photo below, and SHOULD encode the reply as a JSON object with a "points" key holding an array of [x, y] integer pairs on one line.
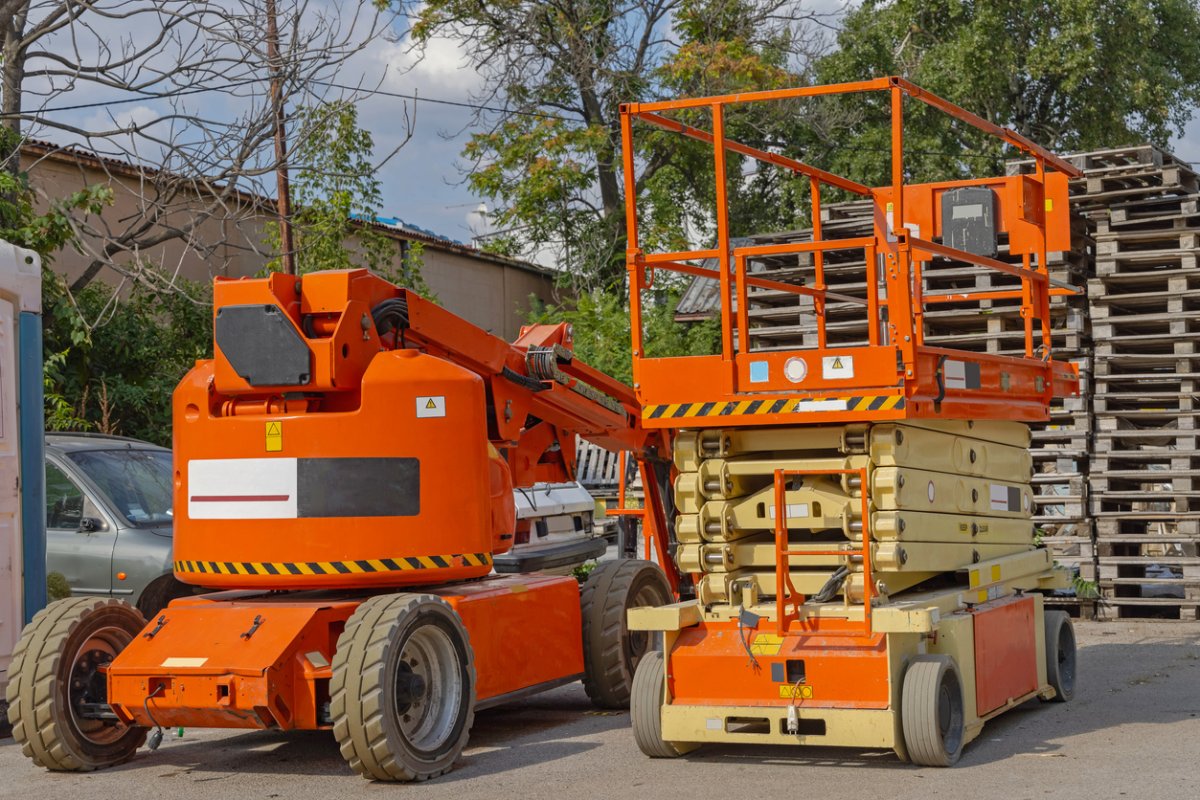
{"points": [[423, 183]]}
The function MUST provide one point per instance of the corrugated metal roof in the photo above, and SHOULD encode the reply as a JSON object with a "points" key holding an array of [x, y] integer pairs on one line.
{"points": [[393, 226]]}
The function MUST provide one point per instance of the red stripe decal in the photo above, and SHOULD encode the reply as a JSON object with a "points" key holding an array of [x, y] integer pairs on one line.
{"points": [[240, 498]]}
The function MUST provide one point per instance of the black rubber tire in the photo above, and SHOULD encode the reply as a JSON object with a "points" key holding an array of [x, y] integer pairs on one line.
{"points": [[932, 711], [40, 676], [159, 593], [1060, 655], [645, 709], [366, 703], [610, 652]]}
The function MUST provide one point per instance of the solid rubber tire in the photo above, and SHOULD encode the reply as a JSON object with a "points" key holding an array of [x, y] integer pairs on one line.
{"points": [[645, 709], [1060, 653], [39, 675], [605, 598], [919, 711], [361, 690], [159, 594]]}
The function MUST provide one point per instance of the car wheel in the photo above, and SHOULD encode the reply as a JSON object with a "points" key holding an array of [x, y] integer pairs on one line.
{"points": [[160, 593]]}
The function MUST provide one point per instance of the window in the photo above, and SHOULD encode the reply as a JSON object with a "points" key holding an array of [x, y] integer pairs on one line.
{"points": [[64, 501], [138, 483]]}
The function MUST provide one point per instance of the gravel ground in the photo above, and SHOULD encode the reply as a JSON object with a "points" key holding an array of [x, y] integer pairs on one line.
{"points": [[1133, 731]]}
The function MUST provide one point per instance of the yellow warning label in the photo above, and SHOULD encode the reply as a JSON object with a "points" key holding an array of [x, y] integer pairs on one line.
{"points": [[274, 437], [1049, 204], [793, 692], [995, 572], [431, 406], [766, 644]]}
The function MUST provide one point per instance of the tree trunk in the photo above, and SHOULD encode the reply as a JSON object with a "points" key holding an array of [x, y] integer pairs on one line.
{"points": [[612, 272], [12, 70]]}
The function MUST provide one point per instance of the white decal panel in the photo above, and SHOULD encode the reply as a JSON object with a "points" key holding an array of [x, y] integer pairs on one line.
{"points": [[242, 488]]}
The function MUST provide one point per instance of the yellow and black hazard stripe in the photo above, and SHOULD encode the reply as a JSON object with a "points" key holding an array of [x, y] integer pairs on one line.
{"points": [[402, 564], [733, 408]]}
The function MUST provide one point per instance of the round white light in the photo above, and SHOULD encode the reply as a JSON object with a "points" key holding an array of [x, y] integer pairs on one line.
{"points": [[795, 369]]}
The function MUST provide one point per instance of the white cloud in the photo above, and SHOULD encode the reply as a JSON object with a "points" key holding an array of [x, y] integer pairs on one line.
{"points": [[441, 68]]}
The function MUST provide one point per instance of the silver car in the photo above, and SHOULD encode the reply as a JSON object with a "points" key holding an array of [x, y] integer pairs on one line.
{"points": [[108, 518]]}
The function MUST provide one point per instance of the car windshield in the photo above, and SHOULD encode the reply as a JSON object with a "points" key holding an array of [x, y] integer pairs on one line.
{"points": [[136, 482]]}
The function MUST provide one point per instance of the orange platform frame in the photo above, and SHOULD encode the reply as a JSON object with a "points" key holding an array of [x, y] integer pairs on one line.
{"points": [[896, 375]]}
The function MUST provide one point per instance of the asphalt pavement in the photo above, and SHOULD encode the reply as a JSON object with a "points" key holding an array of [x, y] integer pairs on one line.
{"points": [[1132, 731]]}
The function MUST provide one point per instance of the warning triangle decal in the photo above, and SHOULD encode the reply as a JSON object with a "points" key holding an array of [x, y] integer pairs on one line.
{"points": [[430, 404]]}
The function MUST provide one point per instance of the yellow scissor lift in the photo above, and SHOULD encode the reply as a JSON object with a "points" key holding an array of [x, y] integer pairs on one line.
{"points": [[855, 521]]}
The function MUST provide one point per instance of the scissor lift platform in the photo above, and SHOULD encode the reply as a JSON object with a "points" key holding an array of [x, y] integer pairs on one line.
{"points": [[855, 520]]}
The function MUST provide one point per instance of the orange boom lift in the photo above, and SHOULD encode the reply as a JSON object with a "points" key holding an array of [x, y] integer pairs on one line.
{"points": [[854, 514], [344, 468]]}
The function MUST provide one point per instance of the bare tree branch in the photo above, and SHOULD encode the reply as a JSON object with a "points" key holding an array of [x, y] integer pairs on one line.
{"points": [[191, 114]]}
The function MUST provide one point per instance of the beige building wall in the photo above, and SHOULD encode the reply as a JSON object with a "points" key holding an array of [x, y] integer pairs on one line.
{"points": [[489, 291]]}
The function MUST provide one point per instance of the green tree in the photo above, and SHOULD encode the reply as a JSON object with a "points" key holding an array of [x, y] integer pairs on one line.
{"points": [[114, 359], [600, 325], [337, 196], [1068, 74], [43, 232], [46, 233], [552, 159]]}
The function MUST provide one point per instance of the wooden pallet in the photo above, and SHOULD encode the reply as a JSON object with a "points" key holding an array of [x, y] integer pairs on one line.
{"points": [[1166, 212], [596, 468], [1112, 285], [1150, 523], [1077, 607], [1153, 243], [1096, 161], [1112, 606]]}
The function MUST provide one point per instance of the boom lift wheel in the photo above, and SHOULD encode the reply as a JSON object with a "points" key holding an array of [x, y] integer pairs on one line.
{"points": [[611, 651], [931, 711], [57, 688], [1060, 655], [403, 688], [645, 709]]}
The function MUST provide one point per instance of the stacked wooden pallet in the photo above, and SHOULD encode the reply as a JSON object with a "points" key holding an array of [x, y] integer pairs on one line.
{"points": [[1144, 303]]}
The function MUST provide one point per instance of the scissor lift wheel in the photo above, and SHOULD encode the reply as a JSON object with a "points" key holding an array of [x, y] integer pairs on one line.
{"points": [[57, 693], [645, 709], [1060, 655], [403, 688], [611, 652], [931, 711]]}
